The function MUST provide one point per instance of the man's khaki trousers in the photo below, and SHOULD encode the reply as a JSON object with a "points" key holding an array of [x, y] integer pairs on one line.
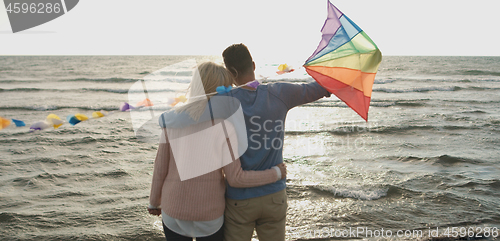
{"points": [[267, 214]]}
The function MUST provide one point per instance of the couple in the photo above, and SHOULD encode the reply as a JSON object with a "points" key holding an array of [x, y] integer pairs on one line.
{"points": [[200, 204]]}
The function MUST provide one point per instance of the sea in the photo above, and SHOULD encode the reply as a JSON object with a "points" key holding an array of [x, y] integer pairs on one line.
{"points": [[425, 166]]}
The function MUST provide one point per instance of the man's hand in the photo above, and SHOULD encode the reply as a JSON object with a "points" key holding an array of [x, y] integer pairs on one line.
{"points": [[282, 168]]}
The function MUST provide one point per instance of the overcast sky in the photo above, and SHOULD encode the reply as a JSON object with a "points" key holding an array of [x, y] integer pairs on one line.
{"points": [[289, 29]]}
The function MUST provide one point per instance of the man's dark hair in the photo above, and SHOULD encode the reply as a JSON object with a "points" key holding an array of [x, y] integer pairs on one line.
{"points": [[237, 59]]}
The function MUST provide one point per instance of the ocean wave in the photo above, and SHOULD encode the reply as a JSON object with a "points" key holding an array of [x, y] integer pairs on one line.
{"points": [[34, 179], [407, 103], [316, 104], [109, 80], [85, 140], [479, 72], [54, 140], [433, 79], [123, 91], [384, 81], [373, 103], [400, 129], [414, 187], [7, 217], [74, 131], [411, 103], [11, 81], [475, 112], [10, 217], [357, 192], [442, 188], [383, 103], [487, 102], [68, 194], [391, 130], [50, 160], [113, 174], [446, 198], [58, 107], [443, 160], [340, 130], [431, 89], [494, 122], [174, 73], [423, 89], [63, 90], [28, 90], [446, 160], [168, 79], [297, 133], [6, 68], [117, 91], [487, 184]]}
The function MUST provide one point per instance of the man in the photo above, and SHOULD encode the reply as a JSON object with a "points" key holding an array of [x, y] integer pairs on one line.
{"points": [[264, 108]]}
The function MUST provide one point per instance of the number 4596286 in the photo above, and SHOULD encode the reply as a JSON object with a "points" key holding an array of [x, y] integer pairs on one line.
{"points": [[33, 8]]}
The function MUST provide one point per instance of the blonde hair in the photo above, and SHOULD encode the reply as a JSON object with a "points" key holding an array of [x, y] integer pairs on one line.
{"points": [[206, 78]]}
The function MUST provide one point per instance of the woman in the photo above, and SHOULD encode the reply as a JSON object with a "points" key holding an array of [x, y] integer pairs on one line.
{"points": [[192, 198]]}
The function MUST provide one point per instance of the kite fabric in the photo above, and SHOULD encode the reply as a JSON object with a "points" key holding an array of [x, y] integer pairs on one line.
{"points": [[98, 114], [18, 123], [4, 123], [38, 126], [345, 62], [76, 118], [126, 107], [146, 103], [54, 120]]}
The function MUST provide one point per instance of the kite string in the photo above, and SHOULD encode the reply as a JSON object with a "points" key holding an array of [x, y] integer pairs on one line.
{"points": [[201, 97], [259, 81]]}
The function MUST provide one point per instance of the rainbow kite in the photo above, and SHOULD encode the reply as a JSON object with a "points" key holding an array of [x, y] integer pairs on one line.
{"points": [[345, 62]]}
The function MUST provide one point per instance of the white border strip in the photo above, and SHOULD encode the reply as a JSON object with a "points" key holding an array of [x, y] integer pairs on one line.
{"points": [[64, 6]]}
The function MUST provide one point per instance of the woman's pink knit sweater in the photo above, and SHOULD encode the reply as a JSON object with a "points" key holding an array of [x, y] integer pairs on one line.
{"points": [[200, 198]]}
